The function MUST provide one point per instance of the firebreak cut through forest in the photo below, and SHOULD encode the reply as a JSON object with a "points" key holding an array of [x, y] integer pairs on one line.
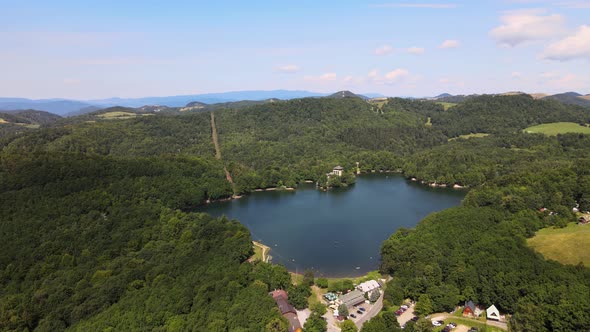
{"points": [[97, 232]]}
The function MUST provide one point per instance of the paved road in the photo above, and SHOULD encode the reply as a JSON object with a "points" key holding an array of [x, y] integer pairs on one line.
{"points": [[372, 312]]}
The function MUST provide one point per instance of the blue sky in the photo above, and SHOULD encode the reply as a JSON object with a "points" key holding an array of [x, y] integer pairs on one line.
{"points": [[99, 49]]}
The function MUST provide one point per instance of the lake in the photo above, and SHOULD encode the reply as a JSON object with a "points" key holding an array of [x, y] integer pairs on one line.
{"points": [[336, 233]]}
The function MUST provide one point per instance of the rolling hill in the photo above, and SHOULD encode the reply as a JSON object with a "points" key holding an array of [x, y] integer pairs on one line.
{"points": [[573, 98]]}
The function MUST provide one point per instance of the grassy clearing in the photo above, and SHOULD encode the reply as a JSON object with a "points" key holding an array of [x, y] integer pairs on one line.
{"points": [[446, 105], [379, 102], [565, 245], [552, 129], [468, 136], [120, 115], [429, 122], [257, 253]]}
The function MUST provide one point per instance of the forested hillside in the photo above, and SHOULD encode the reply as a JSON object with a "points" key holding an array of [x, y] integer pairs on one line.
{"points": [[95, 243], [94, 237], [478, 251]]}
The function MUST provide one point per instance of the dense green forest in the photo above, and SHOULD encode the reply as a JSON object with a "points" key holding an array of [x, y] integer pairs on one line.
{"points": [[96, 232]]}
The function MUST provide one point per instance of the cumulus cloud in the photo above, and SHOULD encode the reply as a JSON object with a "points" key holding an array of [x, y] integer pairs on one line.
{"points": [[519, 27], [416, 5], [396, 74], [322, 78], [373, 73], [287, 69], [450, 43], [384, 50], [576, 46], [415, 50]]}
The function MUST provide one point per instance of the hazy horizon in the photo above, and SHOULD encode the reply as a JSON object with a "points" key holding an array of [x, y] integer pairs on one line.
{"points": [[142, 49]]}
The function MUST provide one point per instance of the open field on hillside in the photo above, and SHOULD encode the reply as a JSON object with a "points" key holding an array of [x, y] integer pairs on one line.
{"points": [[565, 245], [447, 105], [120, 115], [552, 129], [468, 136]]}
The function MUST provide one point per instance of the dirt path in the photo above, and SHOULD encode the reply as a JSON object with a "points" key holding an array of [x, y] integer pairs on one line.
{"points": [[215, 138]]}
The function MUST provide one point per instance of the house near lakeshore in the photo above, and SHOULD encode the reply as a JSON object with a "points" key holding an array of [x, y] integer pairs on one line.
{"points": [[287, 310], [493, 313], [337, 171], [352, 298], [368, 286]]}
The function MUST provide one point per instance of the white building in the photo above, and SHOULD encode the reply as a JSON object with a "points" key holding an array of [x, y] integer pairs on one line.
{"points": [[368, 286], [493, 313]]}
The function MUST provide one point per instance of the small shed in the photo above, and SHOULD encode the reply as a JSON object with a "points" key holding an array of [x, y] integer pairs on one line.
{"points": [[493, 313], [469, 309]]}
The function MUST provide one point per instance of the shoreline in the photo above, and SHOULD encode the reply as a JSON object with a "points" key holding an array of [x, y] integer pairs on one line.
{"points": [[455, 186]]}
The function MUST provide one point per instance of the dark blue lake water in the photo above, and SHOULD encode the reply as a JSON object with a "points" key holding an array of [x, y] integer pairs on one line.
{"points": [[336, 233]]}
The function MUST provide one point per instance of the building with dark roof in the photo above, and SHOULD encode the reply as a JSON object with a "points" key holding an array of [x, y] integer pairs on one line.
{"points": [[287, 310], [469, 309], [353, 298]]}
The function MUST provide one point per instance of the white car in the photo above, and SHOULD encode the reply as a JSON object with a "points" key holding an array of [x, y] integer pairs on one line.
{"points": [[436, 323]]}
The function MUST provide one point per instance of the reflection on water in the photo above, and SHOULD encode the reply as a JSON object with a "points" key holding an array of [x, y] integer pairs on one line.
{"points": [[335, 233]]}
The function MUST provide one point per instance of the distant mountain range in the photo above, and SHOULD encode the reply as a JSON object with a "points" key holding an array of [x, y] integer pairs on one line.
{"points": [[566, 98], [233, 99], [66, 107]]}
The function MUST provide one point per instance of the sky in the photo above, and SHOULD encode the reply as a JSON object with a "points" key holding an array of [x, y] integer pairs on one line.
{"points": [[100, 49]]}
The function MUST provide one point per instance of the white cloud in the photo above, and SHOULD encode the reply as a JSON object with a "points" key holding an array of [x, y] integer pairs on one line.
{"points": [[322, 78], [563, 82], [450, 43], [384, 50], [373, 73], [516, 75], [528, 25], [576, 46], [288, 69], [444, 81], [347, 79], [415, 50], [416, 5], [396, 74], [71, 81]]}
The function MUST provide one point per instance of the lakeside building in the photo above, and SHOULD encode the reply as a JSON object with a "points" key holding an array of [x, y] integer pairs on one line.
{"points": [[368, 286], [338, 171], [287, 310], [351, 299]]}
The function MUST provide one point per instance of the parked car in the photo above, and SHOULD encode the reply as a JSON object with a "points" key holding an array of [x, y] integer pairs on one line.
{"points": [[353, 315], [404, 307], [452, 325], [362, 309], [399, 312], [446, 329], [415, 318], [436, 323], [359, 312], [473, 329]]}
